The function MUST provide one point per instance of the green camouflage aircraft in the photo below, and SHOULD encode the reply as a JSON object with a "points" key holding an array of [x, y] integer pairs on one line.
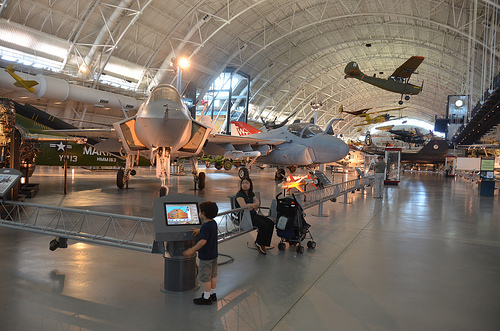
{"points": [[398, 82], [51, 150]]}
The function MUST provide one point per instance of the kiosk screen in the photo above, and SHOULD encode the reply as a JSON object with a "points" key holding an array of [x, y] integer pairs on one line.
{"points": [[182, 214]]}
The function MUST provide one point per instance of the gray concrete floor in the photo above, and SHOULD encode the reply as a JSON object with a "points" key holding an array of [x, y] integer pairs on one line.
{"points": [[426, 257]]}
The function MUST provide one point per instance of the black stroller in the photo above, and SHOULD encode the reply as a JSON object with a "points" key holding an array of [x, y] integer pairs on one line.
{"points": [[291, 225]]}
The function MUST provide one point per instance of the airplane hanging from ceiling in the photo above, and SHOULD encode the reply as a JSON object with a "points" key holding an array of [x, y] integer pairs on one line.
{"points": [[398, 82], [377, 119], [362, 112]]}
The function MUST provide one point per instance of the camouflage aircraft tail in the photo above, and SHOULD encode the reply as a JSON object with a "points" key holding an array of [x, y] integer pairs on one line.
{"points": [[352, 70]]}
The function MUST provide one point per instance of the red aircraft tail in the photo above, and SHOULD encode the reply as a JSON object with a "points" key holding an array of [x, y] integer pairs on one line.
{"points": [[243, 129]]}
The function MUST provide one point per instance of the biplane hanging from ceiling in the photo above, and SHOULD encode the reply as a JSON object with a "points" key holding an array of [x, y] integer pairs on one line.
{"points": [[398, 82]]}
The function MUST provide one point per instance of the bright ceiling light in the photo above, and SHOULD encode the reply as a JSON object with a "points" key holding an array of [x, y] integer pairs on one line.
{"points": [[183, 63], [459, 103], [83, 69]]}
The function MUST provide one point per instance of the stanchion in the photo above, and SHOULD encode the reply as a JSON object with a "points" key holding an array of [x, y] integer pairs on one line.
{"points": [[320, 211]]}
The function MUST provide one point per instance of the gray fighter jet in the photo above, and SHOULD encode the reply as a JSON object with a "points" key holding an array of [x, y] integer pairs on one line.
{"points": [[297, 144]]}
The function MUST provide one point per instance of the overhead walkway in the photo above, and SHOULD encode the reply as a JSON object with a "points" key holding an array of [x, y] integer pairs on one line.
{"points": [[484, 117]]}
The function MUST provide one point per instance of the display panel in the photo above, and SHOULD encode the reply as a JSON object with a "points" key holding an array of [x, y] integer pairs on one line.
{"points": [[181, 214]]}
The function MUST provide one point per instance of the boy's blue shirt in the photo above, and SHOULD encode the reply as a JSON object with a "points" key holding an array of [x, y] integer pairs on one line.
{"points": [[209, 232]]}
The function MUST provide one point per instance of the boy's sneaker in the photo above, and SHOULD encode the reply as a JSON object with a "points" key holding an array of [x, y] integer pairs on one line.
{"points": [[213, 297], [202, 301]]}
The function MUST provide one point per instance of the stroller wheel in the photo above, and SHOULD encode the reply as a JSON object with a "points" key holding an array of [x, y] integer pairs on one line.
{"points": [[311, 244], [300, 249], [281, 246]]}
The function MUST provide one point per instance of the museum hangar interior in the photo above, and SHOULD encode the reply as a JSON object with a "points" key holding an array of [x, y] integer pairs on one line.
{"points": [[423, 257]]}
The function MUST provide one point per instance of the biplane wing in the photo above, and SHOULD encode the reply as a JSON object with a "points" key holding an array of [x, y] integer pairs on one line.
{"points": [[408, 68]]}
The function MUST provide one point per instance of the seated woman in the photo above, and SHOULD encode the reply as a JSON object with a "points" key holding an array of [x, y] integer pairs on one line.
{"points": [[246, 198]]}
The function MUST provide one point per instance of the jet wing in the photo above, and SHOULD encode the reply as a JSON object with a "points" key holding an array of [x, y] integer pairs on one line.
{"points": [[409, 67], [96, 133], [243, 140]]}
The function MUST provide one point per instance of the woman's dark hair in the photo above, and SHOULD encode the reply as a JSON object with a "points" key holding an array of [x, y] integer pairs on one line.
{"points": [[209, 208], [250, 190]]}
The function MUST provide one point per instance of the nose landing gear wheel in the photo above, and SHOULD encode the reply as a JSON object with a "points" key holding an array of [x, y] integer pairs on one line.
{"points": [[163, 191], [120, 175], [280, 175], [201, 180], [243, 173]]}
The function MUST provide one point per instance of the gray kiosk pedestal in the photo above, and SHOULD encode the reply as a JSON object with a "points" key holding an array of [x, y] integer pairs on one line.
{"points": [[173, 217]]}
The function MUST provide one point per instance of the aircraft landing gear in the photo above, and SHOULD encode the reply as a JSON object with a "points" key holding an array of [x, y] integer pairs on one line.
{"points": [[199, 177], [123, 175], [163, 191], [201, 180], [122, 178], [407, 97], [243, 173], [280, 174]]}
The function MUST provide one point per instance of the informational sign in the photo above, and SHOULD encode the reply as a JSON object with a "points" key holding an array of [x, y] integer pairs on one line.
{"points": [[487, 164], [8, 178]]}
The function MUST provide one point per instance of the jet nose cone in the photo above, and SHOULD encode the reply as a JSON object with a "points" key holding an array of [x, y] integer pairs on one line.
{"points": [[343, 149], [329, 149]]}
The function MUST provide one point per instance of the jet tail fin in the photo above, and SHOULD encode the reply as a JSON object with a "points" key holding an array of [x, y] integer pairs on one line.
{"points": [[242, 129], [26, 83], [434, 147]]}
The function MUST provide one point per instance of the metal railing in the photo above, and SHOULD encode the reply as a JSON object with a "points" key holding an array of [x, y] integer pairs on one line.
{"points": [[123, 231], [317, 196], [82, 225]]}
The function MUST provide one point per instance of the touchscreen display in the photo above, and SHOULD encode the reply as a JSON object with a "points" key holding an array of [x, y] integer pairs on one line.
{"points": [[182, 214]]}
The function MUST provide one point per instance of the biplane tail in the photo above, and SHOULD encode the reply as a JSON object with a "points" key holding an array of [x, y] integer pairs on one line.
{"points": [[352, 70]]}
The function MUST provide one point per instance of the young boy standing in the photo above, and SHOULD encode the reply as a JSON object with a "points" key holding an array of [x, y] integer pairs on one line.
{"points": [[207, 252]]}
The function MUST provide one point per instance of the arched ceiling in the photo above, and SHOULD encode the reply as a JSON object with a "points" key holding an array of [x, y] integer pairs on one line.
{"points": [[294, 51]]}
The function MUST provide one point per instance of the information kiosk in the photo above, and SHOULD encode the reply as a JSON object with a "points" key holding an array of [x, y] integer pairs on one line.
{"points": [[450, 164], [393, 166], [173, 217], [487, 184], [8, 178]]}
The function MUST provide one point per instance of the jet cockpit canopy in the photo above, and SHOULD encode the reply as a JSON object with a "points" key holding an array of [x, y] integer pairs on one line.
{"points": [[304, 130], [165, 92]]}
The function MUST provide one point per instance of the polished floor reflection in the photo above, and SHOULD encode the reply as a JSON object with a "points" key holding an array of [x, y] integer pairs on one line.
{"points": [[426, 257]]}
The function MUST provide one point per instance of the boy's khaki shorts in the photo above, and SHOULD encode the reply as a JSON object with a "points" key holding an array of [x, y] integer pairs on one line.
{"points": [[207, 270]]}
